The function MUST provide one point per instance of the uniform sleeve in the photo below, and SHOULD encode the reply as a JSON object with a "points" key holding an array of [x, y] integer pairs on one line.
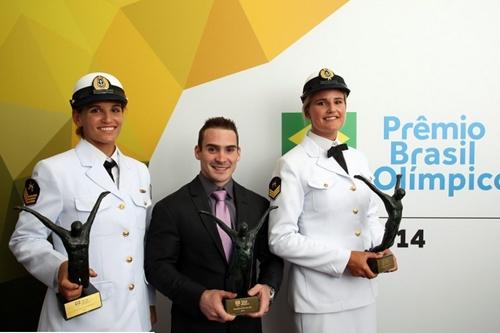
{"points": [[149, 209], [285, 239], [29, 242], [270, 265]]}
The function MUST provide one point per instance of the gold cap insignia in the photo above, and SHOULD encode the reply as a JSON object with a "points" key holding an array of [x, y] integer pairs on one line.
{"points": [[274, 187], [100, 83], [326, 73]]}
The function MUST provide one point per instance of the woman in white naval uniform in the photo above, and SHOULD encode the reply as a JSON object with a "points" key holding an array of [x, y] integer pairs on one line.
{"points": [[326, 219], [64, 188]]}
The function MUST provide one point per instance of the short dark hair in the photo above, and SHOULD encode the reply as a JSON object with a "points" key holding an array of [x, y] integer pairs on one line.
{"points": [[217, 122]]}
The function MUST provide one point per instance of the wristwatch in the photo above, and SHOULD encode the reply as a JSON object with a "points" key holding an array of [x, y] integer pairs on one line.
{"points": [[272, 292]]}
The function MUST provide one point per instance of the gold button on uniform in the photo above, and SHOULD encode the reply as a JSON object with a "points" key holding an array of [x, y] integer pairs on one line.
{"points": [[357, 232], [353, 188], [131, 286], [121, 206], [130, 259], [355, 211], [325, 185], [125, 233]]}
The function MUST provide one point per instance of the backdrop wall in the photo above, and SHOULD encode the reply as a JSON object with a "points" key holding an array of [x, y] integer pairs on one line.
{"points": [[423, 76]]}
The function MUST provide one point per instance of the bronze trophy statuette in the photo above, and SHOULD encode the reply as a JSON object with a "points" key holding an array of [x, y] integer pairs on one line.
{"points": [[241, 265], [76, 243], [394, 209]]}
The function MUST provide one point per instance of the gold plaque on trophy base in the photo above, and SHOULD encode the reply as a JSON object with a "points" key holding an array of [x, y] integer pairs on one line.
{"points": [[88, 301], [381, 265], [237, 306]]}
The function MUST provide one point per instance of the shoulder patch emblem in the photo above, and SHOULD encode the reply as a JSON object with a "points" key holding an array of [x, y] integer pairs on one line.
{"points": [[274, 187], [31, 192]]}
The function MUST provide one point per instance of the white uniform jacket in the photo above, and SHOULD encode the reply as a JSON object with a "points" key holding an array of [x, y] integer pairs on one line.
{"points": [[70, 184], [323, 214]]}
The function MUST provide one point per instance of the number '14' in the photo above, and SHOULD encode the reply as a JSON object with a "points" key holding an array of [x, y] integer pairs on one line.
{"points": [[417, 239]]}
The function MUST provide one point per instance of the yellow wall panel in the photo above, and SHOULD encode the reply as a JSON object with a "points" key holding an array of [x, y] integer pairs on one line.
{"points": [[151, 89], [63, 59], [54, 15], [173, 29], [9, 14], [92, 19], [280, 23], [229, 44], [122, 3], [24, 133], [26, 78]]}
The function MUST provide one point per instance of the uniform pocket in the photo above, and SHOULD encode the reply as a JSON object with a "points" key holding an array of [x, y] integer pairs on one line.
{"points": [[319, 192], [105, 288], [141, 204], [87, 202], [83, 207], [141, 200]]}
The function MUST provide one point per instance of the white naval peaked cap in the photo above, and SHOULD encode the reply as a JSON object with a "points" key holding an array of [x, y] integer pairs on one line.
{"points": [[95, 87]]}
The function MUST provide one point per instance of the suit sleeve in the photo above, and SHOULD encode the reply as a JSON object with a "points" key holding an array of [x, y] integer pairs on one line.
{"points": [[285, 239], [29, 242], [162, 254]]}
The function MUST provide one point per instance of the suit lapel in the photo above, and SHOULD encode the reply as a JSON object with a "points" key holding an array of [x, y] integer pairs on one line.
{"points": [[242, 211], [241, 203], [200, 201]]}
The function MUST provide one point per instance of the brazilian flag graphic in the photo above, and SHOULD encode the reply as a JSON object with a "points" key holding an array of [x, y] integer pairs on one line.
{"points": [[294, 127]]}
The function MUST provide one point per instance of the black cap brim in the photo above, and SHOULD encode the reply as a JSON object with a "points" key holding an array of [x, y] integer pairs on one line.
{"points": [[87, 96], [325, 80], [326, 85]]}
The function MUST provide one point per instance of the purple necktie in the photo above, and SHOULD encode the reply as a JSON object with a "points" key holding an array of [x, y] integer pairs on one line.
{"points": [[222, 212]]}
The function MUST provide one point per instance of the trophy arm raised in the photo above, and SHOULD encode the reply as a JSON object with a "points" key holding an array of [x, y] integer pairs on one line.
{"points": [[60, 231], [86, 227], [256, 229], [386, 199], [231, 233], [381, 194]]}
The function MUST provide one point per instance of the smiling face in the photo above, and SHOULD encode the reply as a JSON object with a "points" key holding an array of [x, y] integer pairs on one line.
{"points": [[326, 110], [101, 123], [218, 155]]}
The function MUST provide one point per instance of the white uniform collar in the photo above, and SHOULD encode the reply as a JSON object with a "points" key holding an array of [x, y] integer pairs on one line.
{"points": [[98, 155], [322, 142]]}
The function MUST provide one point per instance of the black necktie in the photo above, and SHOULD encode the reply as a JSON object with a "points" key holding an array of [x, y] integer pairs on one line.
{"points": [[108, 165], [336, 152]]}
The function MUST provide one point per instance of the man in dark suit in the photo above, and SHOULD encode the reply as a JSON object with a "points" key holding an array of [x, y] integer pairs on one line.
{"points": [[187, 258]]}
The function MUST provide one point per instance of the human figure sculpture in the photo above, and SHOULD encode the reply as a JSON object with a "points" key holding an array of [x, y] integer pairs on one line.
{"points": [[394, 208], [243, 242], [75, 241]]}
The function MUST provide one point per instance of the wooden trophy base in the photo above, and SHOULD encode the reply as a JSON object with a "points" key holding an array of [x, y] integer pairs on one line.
{"points": [[237, 306], [381, 265], [89, 300]]}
